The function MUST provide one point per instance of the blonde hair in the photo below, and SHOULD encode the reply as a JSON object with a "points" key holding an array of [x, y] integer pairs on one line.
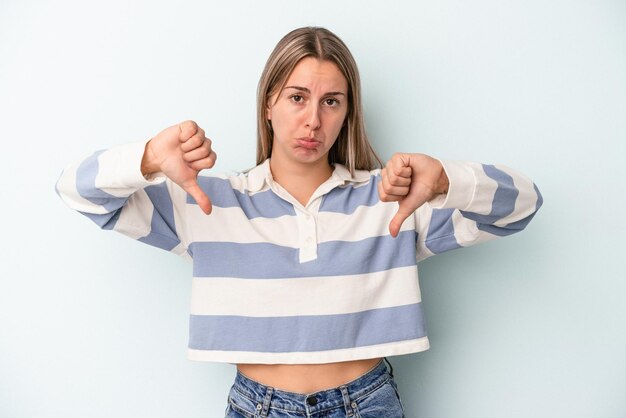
{"points": [[352, 147]]}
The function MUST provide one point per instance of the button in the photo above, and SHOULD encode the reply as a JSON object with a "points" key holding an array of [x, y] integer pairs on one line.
{"points": [[311, 401]]}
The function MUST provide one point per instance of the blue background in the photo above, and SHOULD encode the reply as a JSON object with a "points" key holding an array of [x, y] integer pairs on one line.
{"points": [[93, 324]]}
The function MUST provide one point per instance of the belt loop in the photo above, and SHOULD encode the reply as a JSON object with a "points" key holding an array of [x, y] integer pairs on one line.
{"points": [[266, 402], [346, 401], [390, 367]]}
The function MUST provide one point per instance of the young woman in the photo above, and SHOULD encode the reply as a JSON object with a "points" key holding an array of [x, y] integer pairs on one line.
{"points": [[305, 267]]}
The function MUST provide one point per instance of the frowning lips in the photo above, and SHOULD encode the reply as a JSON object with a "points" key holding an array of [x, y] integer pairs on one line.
{"points": [[308, 142]]}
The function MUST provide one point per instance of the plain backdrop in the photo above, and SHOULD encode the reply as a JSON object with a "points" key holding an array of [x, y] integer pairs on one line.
{"points": [[94, 324]]}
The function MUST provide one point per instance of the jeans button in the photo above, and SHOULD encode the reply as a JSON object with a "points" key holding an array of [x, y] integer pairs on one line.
{"points": [[311, 401]]}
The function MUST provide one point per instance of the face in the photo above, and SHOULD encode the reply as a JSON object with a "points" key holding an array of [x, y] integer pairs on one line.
{"points": [[308, 114]]}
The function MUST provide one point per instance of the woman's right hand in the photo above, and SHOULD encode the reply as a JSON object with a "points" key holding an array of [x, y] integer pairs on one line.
{"points": [[180, 152]]}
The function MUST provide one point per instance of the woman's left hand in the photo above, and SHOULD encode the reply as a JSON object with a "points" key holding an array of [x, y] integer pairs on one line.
{"points": [[411, 180]]}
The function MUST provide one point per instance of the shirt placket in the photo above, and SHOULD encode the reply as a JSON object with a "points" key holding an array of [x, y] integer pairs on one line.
{"points": [[307, 231]]}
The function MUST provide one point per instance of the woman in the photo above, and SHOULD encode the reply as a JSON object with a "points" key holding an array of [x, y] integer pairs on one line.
{"points": [[305, 271]]}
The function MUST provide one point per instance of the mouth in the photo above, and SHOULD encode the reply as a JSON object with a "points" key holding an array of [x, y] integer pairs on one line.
{"points": [[308, 143]]}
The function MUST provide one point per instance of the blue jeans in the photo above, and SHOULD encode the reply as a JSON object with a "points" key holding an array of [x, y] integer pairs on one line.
{"points": [[372, 395]]}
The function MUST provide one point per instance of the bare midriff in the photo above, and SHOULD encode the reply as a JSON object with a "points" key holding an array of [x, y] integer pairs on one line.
{"points": [[307, 378]]}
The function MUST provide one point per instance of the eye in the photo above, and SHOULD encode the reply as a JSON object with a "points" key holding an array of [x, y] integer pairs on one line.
{"points": [[296, 98], [331, 102]]}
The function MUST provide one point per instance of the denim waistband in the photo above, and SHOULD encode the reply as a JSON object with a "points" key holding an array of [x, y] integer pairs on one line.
{"points": [[266, 397]]}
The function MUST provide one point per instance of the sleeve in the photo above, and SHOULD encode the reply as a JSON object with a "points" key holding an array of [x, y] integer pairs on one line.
{"points": [[483, 202], [108, 188]]}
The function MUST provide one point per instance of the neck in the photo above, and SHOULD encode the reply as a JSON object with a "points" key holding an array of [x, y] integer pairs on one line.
{"points": [[300, 180]]}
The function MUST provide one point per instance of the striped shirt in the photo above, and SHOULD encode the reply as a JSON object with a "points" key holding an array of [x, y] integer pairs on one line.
{"points": [[278, 282]]}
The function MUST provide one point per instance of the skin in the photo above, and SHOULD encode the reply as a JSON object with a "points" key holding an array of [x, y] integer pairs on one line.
{"points": [[306, 117]]}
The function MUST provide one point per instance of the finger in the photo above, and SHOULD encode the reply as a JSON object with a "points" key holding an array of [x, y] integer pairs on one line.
{"points": [[197, 140], [398, 220], [187, 129], [197, 154], [387, 197], [391, 197], [391, 189], [394, 179], [199, 196], [204, 163], [399, 166]]}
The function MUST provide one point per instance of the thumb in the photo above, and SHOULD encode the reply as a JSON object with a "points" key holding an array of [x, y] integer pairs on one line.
{"points": [[396, 222], [199, 196]]}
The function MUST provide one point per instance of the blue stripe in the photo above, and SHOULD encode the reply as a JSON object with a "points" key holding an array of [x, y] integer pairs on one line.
{"points": [[503, 199], [509, 229], [506, 193], [86, 185], [307, 332], [539, 198], [513, 227], [348, 199], [162, 226], [503, 205], [260, 205], [334, 258], [440, 236]]}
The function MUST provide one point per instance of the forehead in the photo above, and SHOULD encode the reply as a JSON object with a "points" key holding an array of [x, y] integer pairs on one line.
{"points": [[313, 73]]}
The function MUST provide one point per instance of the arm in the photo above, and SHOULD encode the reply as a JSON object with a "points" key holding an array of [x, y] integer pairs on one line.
{"points": [[457, 204], [133, 188]]}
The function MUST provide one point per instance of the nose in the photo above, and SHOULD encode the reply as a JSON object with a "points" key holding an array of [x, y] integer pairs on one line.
{"points": [[313, 118]]}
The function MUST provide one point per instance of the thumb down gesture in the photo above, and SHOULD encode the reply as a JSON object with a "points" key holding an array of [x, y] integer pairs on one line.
{"points": [[181, 152], [411, 180]]}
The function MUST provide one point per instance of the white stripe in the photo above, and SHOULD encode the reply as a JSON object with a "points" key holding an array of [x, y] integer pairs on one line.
{"points": [[180, 206], [136, 216], [312, 357], [305, 296], [110, 170], [466, 231], [482, 201], [333, 226], [422, 217], [463, 180], [119, 170], [232, 225], [181, 250]]}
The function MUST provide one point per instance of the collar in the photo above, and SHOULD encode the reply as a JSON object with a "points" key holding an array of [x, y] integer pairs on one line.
{"points": [[261, 175]]}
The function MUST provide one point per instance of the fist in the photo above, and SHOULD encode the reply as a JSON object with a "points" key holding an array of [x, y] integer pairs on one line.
{"points": [[181, 152], [411, 180]]}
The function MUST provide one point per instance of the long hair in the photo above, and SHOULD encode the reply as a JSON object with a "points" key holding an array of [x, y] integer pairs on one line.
{"points": [[352, 148]]}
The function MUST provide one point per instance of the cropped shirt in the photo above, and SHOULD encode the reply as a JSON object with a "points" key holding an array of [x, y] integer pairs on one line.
{"points": [[275, 281]]}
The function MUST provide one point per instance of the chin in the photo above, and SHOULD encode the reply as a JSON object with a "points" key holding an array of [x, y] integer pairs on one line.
{"points": [[310, 156]]}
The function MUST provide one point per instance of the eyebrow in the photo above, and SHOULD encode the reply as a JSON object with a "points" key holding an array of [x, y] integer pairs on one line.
{"points": [[304, 89]]}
